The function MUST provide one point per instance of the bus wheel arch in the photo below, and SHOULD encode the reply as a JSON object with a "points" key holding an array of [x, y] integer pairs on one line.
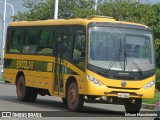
{"points": [[19, 74], [24, 93], [75, 100], [68, 82]]}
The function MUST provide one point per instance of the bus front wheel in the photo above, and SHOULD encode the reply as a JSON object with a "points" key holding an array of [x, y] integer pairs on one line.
{"points": [[133, 107], [24, 93], [75, 101]]}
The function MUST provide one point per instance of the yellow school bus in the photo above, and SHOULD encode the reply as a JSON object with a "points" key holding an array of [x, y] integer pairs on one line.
{"points": [[93, 60]]}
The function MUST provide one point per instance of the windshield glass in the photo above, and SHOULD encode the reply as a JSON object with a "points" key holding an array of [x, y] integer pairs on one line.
{"points": [[121, 49]]}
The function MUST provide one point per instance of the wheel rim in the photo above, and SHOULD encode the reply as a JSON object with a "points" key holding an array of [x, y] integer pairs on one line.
{"points": [[72, 97], [20, 88]]}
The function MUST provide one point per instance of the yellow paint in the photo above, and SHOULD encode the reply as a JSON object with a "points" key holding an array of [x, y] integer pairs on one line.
{"points": [[79, 21], [30, 57], [50, 67]]}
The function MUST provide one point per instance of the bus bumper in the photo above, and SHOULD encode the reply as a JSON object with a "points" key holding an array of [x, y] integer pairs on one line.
{"points": [[121, 92]]}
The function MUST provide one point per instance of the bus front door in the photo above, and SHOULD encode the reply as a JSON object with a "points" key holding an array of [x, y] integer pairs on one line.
{"points": [[59, 68]]}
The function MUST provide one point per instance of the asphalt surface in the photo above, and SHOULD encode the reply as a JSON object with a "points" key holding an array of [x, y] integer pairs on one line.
{"points": [[53, 106]]}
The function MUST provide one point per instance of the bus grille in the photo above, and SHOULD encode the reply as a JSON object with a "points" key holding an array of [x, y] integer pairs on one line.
{"points": [[123, 88]]}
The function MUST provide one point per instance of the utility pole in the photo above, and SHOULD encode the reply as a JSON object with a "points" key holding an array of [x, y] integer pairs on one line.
{"points": [[1, 35], [56, 10], [1, 45], [95, 7], [4, 27], [3, 38], [9, 4], [4, 22]]}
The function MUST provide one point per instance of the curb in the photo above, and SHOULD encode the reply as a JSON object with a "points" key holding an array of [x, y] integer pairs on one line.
{"points": [[148, 106], [1, 82]]}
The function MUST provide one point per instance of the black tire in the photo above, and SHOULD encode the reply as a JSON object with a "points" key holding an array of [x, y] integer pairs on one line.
{"points": [[64, 100], [156, 119], [25, 94], [33, 95], [75, 101], [133, 107]]}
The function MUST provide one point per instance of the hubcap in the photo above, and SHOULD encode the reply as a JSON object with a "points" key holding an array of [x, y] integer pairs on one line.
{"points": [[72, 97], [20, 89]]}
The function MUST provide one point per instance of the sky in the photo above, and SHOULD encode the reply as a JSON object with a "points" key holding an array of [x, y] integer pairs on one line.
{"points": [[17, 4], [152, 1]]}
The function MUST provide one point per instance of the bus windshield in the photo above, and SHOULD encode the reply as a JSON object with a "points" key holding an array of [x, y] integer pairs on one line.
{"points": [[121, 49]]}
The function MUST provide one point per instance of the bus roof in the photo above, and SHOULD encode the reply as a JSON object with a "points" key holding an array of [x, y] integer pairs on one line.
{"points": [[77, 21]]}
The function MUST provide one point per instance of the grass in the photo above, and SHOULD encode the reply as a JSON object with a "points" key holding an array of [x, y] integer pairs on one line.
{"points": [[1, 77], [153, 100]]}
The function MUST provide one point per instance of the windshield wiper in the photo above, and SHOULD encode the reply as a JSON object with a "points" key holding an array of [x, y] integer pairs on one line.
{"points": [[113, 60], [126, 54], [135, 64]]}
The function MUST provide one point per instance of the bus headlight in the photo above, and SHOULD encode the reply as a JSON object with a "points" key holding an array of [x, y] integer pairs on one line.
{"points": [[149, 85], [94, 80]]}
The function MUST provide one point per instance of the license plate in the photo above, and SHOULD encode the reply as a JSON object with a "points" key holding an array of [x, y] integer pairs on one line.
{"points": [[123, 95]]}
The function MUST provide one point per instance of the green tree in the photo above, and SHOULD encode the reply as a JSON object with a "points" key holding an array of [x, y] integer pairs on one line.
{"points": [[156, 24], [83, 9], [157, 52], [38, 10], [42, 10], [129, 11]]}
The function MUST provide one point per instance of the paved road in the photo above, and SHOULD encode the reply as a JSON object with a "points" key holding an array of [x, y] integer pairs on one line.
{"points": [[8, 102]]}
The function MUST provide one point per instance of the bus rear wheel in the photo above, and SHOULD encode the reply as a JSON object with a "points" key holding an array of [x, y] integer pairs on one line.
{"points": [[75, 101], [24, 93], [32, 95], [133, 107]]}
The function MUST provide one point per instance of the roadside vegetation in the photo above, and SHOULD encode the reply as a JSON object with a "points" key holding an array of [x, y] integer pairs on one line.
{"points": [[153, 101], [158, 80], [1, 78]]}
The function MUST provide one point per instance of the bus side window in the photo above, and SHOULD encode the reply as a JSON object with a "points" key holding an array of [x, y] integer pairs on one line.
{"points": [[30, 44], [45, 42], [79, 50], [9, 40], [65, 46], [15, 41]]}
